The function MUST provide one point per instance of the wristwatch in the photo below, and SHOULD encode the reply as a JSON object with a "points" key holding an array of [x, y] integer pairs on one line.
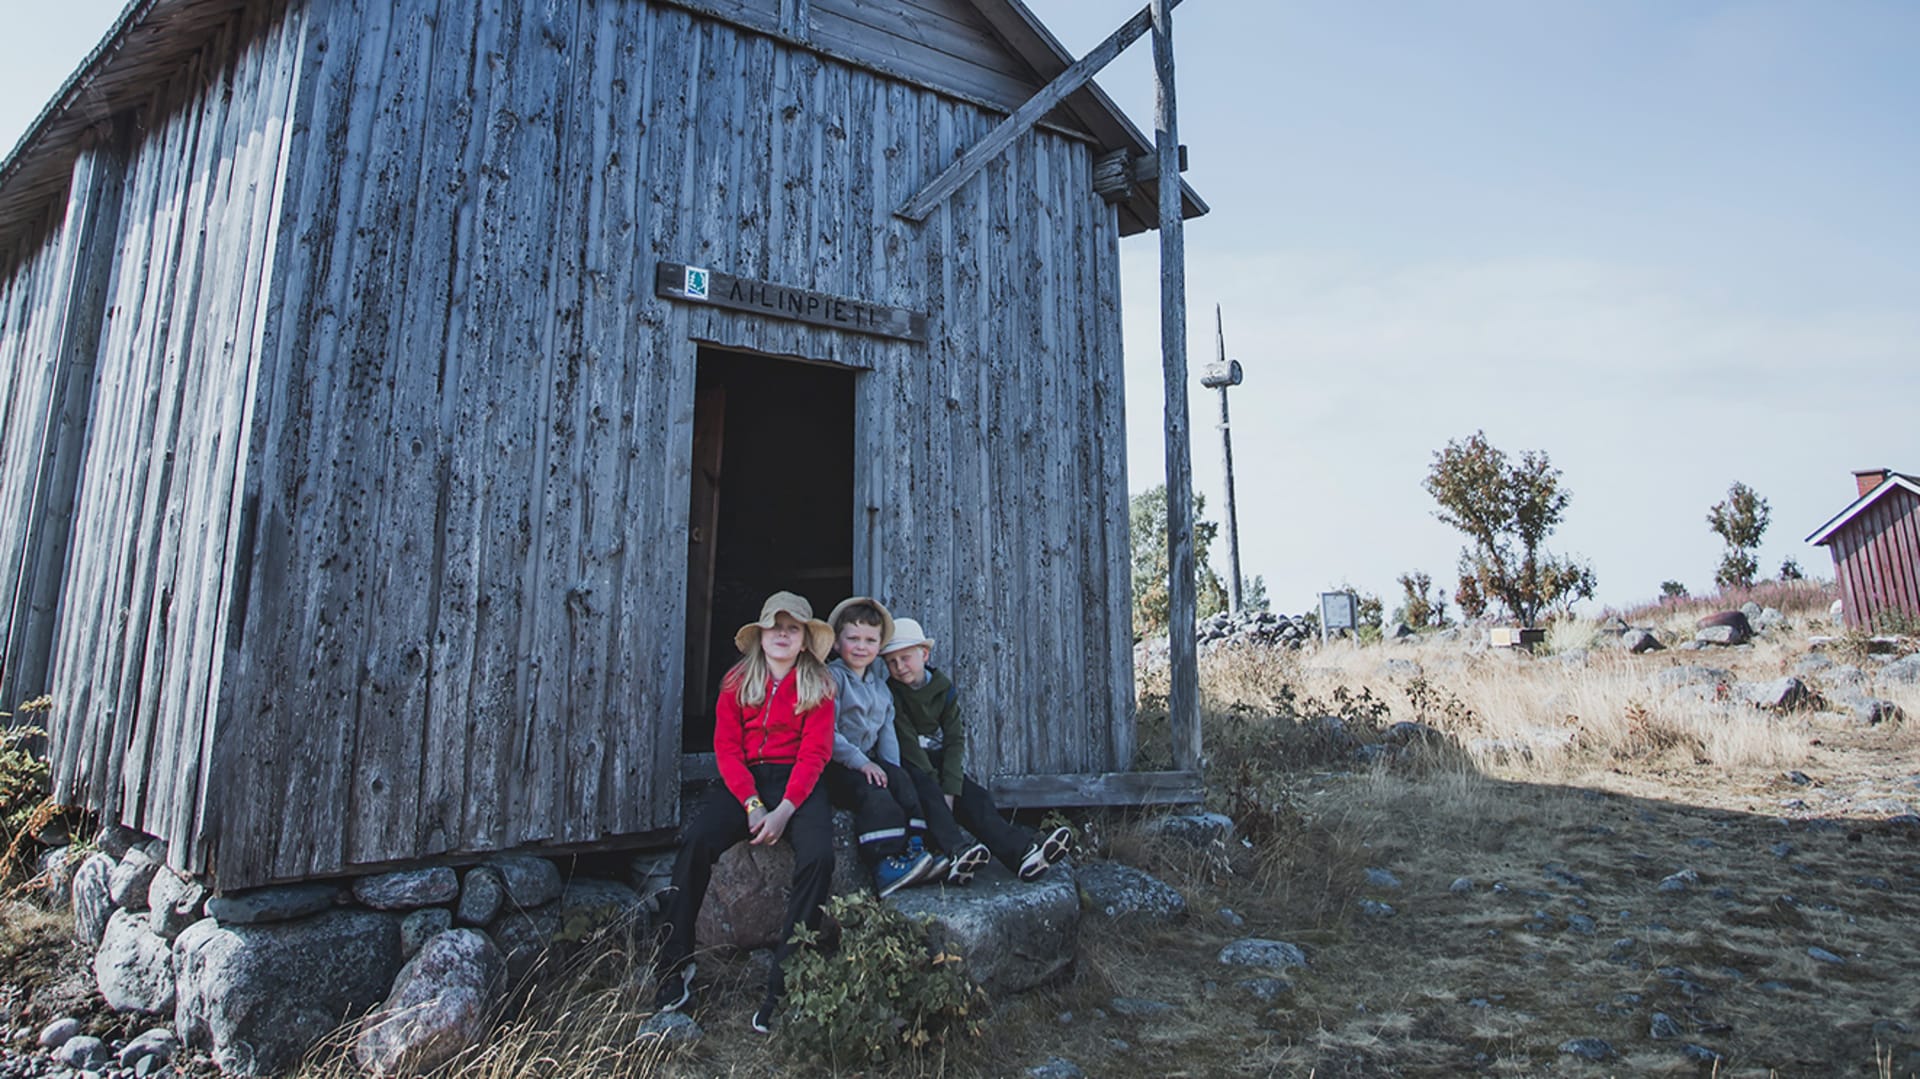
{"points": [[755, 804]]}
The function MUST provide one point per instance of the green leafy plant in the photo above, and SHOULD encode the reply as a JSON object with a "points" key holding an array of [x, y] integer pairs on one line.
{"points": [[1506, 511], [886, 990], [1151, 598], [1740, 519]]}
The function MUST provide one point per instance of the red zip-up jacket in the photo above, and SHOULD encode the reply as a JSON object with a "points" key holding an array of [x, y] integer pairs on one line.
{"points": [[772, 734]]}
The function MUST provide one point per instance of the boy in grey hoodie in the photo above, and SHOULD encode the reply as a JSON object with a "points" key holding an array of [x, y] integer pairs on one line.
{"points": [[864, 775]]}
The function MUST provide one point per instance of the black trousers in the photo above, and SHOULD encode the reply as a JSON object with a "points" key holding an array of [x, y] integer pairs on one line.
{"points": [[718, 824], [880, 814], [973, 809]]}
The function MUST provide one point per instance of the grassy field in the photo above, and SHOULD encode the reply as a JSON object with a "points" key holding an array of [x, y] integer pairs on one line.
{"points": [[1528, 828]]}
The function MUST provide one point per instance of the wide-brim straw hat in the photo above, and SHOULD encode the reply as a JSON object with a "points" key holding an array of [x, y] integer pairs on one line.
{"points": [[886, 616], [906, 634], [819, 634]]}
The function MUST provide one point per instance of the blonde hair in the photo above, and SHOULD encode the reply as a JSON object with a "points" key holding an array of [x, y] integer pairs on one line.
{"points": [[747, 680]]}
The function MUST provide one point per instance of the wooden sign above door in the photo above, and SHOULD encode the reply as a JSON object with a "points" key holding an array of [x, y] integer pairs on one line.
{"points": [[697, 284]]}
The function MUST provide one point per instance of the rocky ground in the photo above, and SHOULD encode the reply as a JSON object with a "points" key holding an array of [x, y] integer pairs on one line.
{"points": [[1447, 860]]}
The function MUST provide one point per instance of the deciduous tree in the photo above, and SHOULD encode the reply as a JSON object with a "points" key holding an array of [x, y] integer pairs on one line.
{"points": [[1149, 541], [1740, 519], [1506, 510]]}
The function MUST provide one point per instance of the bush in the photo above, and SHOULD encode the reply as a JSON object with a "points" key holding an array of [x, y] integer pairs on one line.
{"points": [[886, 990]]}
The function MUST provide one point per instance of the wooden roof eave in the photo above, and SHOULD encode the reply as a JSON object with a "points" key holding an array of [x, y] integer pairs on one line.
{"points": [[146, 43], [1825, 532], [1030, 39]]}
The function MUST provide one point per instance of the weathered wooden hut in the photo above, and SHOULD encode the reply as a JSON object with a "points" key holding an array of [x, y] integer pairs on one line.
{"points": [[1875, 543], [403, 400]]}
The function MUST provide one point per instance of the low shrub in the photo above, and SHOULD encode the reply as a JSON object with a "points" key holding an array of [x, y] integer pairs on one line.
{"points": [[885, 991]]}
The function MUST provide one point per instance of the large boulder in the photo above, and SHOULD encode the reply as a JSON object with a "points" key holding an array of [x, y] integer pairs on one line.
{"points": [[1013, 934], [746, 900], [439, 1005], [259, 996], [1724, 627], [1113, 890], [134, 966], [1640, 641], [92, 903]]}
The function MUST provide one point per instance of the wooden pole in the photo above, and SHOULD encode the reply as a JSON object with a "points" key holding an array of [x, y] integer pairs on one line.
{"points": [[1226, 451], [1183, 701]]}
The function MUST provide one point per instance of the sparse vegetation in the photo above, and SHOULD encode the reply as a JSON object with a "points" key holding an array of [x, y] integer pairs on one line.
{"points": [[1507, 511], [1740, 520]]}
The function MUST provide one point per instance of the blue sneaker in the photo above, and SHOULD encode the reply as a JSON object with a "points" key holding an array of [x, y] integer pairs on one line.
{"points": [[900, 871], [937, 868]]}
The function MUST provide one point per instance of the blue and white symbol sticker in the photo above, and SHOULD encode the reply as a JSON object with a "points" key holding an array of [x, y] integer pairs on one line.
{"points": [[696, 283]]}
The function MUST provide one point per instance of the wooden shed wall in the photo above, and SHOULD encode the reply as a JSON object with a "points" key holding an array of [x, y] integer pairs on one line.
{"points": [[404, 574], [1876, 557], [147, 592]]}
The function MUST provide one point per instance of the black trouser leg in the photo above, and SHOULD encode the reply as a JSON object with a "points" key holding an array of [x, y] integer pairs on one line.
{"points": [[975, 811], [901, 789], [879, 824], [811, 833], [941, 826], [716, 825]]}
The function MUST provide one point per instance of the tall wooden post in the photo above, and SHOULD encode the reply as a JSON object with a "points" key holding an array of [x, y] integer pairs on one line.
{"points": [[1183, 701]]}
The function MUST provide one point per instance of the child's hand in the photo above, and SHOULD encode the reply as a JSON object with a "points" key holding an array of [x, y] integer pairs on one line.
{"points": [[875, 774], [773, 825], [949, 799]]}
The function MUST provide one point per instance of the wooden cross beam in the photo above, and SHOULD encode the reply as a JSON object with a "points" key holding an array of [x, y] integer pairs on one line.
{"points": [[1050, 96]]}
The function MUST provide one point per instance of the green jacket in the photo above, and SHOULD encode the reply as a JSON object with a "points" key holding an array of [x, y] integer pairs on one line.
{"points": [[928, 718]]}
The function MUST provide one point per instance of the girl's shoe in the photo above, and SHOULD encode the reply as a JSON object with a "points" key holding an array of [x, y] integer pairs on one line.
{"points": [[766, 1014], [1041, 856], [675, 991], [971, 861]]}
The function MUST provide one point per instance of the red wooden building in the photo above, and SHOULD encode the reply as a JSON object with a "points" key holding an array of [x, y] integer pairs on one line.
{"points": [[1876, 550]]}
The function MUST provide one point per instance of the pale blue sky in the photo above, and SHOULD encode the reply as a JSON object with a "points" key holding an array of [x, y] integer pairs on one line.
{"points": [[1673, 245]]}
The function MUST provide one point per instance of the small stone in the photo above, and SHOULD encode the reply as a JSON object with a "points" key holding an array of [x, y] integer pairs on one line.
{"points": [[410, 889], [670, 1028], [1594, 1049], [1121, 891], [1382, 878], [1700, 1054], [157, 1044], [1194, 829], [1682, 881], [482, 894], [1580, 923], [1231, 917], [1373, 908], [1266, 989], [1663, 1027], [279, 904], [1255, 952], [59, 1032], [1056, 1068], [423, 925], [1461, 885], [1782, 850], [83, 1051], [1821, 955]]}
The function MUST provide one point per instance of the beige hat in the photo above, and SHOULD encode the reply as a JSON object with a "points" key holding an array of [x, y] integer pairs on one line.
{"points": [[886, 616], [819, 634], [906, 634]]}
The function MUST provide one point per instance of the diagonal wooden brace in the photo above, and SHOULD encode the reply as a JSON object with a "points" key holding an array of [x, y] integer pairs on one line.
{"points": [[1050, 96]]}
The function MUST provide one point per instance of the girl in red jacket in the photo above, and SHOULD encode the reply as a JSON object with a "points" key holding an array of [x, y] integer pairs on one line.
{"points": [[772, 737]]}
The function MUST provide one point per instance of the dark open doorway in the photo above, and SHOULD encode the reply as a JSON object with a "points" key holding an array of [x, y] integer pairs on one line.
{"points": [[771, 506]]}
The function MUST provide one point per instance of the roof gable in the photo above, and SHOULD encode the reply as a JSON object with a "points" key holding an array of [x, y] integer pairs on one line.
{"points": [[1895, 481]]}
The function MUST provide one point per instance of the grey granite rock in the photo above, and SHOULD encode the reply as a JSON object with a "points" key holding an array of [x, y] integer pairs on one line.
{"points": [[1257, 952], [439, 1005], [482, 895], [409, 889], [134, 966], [529, 881], [1013, 934], [1113, 890], [278, 904]]}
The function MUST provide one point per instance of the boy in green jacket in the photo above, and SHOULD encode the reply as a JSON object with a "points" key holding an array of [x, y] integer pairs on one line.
{"points": [[933, 748]]}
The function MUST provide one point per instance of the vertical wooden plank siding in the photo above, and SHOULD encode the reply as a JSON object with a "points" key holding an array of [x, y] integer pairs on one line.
{"points": [[173, 260], [379, 536], [1877, 559]]}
